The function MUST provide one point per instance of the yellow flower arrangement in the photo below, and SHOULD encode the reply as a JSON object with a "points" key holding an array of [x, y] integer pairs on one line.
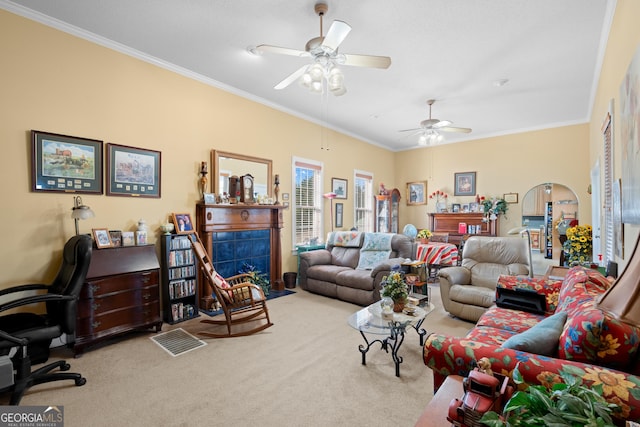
{"points": [[579, 245], [425, 233]]}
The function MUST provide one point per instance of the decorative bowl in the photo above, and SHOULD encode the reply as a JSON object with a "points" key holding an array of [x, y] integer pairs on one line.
{"points": [[167, 228]]}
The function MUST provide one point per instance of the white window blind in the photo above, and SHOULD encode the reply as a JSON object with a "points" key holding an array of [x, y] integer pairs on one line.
{"points": [[307, 178], [608, 189], [363, 201]]}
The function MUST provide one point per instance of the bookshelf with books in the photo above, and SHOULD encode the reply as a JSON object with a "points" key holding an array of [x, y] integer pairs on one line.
{"points": [[179, 279]]}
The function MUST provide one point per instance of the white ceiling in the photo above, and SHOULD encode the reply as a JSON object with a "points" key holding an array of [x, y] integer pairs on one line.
{"points": [[449, 50]]}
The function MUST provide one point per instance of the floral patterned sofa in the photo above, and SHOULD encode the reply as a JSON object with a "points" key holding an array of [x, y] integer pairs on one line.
{"points": [[590, 344]]}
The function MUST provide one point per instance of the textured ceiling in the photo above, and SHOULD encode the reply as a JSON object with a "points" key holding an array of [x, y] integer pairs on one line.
{"points": [[449, 50]]}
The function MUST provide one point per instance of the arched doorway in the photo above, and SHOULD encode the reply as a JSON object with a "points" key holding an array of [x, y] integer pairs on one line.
{"points": [[543, 208]]}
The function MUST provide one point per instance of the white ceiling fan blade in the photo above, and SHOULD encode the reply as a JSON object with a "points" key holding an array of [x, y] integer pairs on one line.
{"points": [[454, 129], [371, 61], [336, 35], [280, 50], [441, 124], [291, 78], [410, 130]]}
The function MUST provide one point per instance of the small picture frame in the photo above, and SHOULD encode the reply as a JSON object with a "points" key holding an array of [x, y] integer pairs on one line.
{"points": [[128, 238], [510, 197], [465, 184], [209, 198], [473, 207], [455, 207], [141, 238], [465, 208], [116, 238], [339, 187], [339, 210], [417, 193], [183, 223], [102, 238]]}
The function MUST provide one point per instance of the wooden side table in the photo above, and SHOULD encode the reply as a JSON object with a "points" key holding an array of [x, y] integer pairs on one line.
{"points": [[435, 414]]}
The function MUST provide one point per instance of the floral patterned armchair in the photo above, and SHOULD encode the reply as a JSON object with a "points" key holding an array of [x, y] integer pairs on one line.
{"points": [[591, 345]]}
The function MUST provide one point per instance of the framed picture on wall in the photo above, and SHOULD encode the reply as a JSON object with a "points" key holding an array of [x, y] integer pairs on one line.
{"points": [[339, 209], [65, 164], [132, 171], [416, 193], [339, 186], [465, 184]]}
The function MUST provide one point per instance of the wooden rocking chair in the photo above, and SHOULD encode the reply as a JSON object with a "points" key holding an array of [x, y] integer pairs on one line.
{"points": [[241, 301]]}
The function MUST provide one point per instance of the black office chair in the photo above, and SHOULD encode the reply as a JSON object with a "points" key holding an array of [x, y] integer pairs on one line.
{"points": [[32, 333]]}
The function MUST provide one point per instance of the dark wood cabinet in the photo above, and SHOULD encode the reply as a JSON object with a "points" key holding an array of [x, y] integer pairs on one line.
{"points": [[387, 209], [450, 223], [121, 294]]}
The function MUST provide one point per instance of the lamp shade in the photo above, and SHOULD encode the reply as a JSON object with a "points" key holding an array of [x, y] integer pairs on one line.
{"points": [[622, 299]]}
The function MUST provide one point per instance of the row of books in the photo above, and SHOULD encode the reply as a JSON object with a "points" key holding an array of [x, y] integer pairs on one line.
{"points": [[180, 311], [180, 272], [182, 288], [180, 243], [177, 258]]}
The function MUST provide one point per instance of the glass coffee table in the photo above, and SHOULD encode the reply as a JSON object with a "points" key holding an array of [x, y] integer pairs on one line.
{"points": [[369, 321]]}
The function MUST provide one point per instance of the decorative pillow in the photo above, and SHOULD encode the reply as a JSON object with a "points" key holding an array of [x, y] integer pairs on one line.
{"points": [[542, 338]]}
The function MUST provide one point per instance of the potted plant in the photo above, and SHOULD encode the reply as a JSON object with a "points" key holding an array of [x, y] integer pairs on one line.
{"points": [[564, 404], [256, 277], [424, 235], [395, 287]]}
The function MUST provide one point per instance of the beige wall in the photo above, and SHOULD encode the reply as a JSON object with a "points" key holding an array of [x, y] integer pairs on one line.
{"points": [[623, 43], [55, 82], [505, 164]]}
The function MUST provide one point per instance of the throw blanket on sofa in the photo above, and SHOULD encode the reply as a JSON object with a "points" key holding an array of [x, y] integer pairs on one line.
{"points": [[346, 239], [375, 249]]}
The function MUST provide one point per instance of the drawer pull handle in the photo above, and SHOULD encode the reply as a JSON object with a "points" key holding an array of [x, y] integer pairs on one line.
{"points": [[146, 296], [95, 288], [96, 324], [95, 306]]}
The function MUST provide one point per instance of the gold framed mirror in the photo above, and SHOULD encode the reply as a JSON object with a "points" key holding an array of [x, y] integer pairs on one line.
{"points": [[227, 164]]}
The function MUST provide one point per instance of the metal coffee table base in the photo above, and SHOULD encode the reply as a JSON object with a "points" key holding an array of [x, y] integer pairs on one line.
{"points": [[393, 341]]}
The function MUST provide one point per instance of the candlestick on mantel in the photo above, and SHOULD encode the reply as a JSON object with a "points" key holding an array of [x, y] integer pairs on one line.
{"points": [[203, 179], [276, 190]]}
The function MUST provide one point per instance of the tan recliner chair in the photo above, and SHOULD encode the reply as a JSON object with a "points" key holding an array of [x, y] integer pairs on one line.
{"points": [[468, 290]]}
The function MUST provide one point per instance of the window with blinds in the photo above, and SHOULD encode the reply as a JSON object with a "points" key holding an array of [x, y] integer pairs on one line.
{"points": [[363, 201], [608, 189], [307, 201]]}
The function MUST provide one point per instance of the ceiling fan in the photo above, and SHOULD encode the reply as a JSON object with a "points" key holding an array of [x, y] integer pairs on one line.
{"points": [[326, 58], [429, 129]]}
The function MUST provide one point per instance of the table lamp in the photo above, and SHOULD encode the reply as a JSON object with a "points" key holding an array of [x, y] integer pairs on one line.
{"points": [[80, 211], [622, 299], [525, 230]]}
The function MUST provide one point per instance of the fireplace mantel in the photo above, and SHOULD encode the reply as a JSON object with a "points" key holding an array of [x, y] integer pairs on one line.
{"points": [[211, 218]]}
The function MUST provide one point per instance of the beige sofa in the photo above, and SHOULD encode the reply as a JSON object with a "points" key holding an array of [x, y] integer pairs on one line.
{"points": [[352, 265], [469, 290]]}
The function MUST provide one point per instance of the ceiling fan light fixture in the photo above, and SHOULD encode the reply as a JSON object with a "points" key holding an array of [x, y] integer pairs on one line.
{"points": [[335, 82], [423, 140]]}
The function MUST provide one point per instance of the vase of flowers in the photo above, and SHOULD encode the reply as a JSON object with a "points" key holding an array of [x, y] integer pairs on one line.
{"points": [[395, 287], [424, 235], [441, 200], [578, 247]]}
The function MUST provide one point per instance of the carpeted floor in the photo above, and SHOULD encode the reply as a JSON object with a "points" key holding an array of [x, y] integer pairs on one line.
{"points": [[304, 371]]}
